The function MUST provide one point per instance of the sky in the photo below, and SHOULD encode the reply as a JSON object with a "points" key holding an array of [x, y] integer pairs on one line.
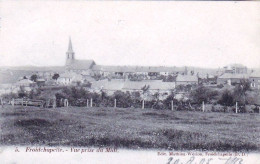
{"points": [[202, 34]]}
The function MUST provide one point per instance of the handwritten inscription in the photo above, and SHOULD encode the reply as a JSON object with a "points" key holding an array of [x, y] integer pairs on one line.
{"points": [[194, 160]]}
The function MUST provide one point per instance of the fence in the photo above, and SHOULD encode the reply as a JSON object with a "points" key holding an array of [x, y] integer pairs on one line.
{"points": [[118, 103], [27, 102]]}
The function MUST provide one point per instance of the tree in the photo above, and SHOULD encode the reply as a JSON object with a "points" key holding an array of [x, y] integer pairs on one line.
{"points": [[202, 93], [123, 99], [22, 92], [55, 76], [103, 95], [78, 83], [86, 83], [169, 78], [156, 96], [226, 98], [34, 77], [145, 90], [34, 93], [240, 91]]}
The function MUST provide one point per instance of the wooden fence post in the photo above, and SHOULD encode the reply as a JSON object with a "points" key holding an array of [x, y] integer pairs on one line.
{"points": [[12, 102], [203, 106], [115, 103], [236, 107], [54, 103], [143, 104], [67, 103], [91, 102], [1, 99], [48, 103], [22, 101], [61, 102], [87, 103], [172, 104], [26, 102]]}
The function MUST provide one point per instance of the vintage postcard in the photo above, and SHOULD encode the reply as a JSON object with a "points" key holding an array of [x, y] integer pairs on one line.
{"points": [[156, 82]]}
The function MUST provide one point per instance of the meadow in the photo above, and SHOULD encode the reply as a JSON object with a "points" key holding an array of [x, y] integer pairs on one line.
{"points": [[129, 128]]}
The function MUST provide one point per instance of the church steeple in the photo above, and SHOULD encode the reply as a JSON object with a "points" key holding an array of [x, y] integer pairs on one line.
{"points": [[70, 53], [70, 46]]}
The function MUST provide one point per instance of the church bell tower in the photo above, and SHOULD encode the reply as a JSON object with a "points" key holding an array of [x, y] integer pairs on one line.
{"points": [[70, 54]]}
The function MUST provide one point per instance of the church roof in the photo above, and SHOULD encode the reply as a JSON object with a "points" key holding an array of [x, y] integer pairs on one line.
{"points": [[81, 64]]}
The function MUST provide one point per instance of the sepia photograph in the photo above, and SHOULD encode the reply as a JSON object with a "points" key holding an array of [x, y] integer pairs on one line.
{"points": [[171, 82]]}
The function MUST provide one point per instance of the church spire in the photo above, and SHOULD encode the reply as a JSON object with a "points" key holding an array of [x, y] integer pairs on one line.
{"points": [[70, 46], [70, 53]]}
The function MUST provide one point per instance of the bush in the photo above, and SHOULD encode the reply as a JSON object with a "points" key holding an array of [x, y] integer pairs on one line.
{"points": [[202, 93], [220, 86], [123, 99], [217, 108], [250, 108], [226, 99], [9, 96], [167, 102]]}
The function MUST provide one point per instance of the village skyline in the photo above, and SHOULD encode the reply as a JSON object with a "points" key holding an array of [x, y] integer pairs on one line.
{"points": [[27, 67]]}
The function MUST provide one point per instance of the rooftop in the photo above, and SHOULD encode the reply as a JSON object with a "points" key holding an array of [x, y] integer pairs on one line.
{"points": [[234, 76], [255, 74], [137, 69], [81, 64], [186, 78], [132, 85]]}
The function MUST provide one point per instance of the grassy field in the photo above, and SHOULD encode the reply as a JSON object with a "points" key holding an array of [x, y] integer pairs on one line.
{"points": [[129, 128]]}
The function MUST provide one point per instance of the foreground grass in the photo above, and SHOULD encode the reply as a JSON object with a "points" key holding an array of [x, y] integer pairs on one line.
{"points": [[129, 128]]}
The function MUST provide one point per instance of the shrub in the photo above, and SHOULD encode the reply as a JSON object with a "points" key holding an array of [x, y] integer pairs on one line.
{"points": [[123, 99], [220, 86], [202, 93], [226, 99]]}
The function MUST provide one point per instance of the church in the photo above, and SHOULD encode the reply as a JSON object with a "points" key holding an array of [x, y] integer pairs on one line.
{"points": [[91, 68], [77, 65]]}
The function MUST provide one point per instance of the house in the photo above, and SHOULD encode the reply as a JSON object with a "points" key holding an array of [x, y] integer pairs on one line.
{"points": [[164, 89], [254, 79], [231, 79], [207, 78], [107, 86], [124, 71], [186, 80], [154, 86], [26, 84], [235, 69], [8, 88], [68, 78], [40, 82]]}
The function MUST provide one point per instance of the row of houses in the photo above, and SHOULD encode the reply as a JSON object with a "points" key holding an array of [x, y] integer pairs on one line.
{"points": [[233, 79], [86, 71]]}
